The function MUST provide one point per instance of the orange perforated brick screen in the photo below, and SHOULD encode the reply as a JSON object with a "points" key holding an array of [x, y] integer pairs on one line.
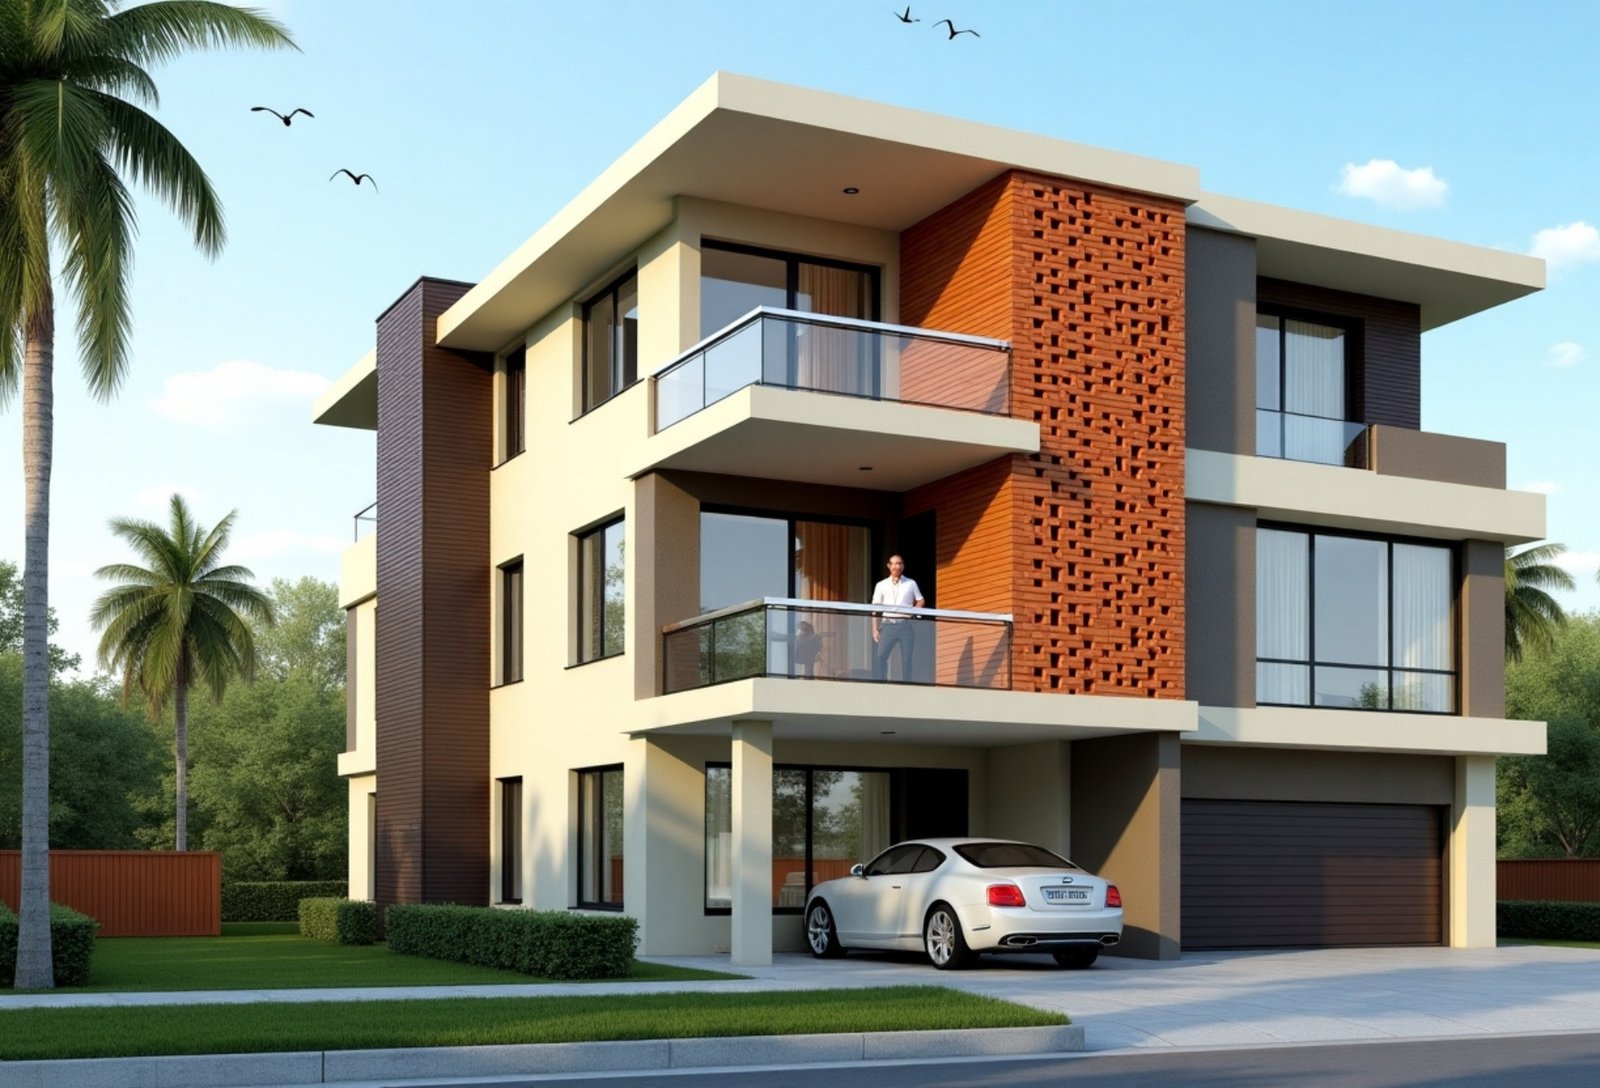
{"points": [[1085, 538]]}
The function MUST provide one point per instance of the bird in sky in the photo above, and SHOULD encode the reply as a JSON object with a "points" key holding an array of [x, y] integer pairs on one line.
{"points": [[953, 30], [353, 177], [286, 118], [906, 18]]}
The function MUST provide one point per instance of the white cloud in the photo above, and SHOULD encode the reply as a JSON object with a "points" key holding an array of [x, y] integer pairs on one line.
{"points": [[1386, 182], [230, 393], [275, 543], [157, 499], [1581, 565], [1574, 243], [1543, 487], [1566, 353]]}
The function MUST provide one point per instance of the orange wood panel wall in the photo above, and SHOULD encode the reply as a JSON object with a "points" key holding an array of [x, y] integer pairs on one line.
{"points": [[131, 893], [1083, 542], [1569, 880]]}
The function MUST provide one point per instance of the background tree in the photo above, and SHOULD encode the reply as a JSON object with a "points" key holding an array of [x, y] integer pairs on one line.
{"points": [[1533, 616], [264, 786], [72, 82], [178, 620], [11, 624], [1550, 805]]}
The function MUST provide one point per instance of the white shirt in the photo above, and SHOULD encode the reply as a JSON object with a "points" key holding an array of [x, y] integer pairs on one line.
{"points": [[903, 593]]}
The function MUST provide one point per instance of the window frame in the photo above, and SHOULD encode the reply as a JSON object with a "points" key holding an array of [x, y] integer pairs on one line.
{"points": [[792, 262], [585, 606], [1311, 663], [875, 534], [1352, 356], [582, 858], [512, 621], [610, 292], [511, 845], [514, 404]]}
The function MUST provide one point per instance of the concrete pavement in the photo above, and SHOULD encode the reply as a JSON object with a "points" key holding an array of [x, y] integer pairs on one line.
{"points": [[1230, 999]]}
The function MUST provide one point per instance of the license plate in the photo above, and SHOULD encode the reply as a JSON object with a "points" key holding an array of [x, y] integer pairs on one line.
{"points": [[1066, 895]]}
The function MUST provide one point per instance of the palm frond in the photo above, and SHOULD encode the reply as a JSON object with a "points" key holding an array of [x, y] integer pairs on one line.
{"points": [[151, 33], [147, 151]]}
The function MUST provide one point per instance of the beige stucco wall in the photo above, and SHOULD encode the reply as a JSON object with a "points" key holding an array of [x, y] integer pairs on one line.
{"points": [[361, 788]]}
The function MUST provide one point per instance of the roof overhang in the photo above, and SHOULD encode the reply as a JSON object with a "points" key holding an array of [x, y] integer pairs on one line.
{"points": [[352, 400], [1448, 280], [775, 146]]}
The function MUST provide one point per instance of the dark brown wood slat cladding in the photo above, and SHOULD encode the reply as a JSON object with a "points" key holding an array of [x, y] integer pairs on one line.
{"points": [[434, 418], [1387, 386], [1272, 873]]}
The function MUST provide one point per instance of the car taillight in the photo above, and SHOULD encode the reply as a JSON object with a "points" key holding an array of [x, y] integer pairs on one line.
{"points": [[1113, 897], [1006, 895]]}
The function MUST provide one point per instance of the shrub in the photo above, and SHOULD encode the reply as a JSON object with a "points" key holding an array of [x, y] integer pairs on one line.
{"points": [[274, 900], [547, 944], [71, 945], [345, 921], [1547, 920]]}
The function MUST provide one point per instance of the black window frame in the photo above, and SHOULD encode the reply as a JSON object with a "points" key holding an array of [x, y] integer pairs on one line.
{"points": [[511, 840], [514, 409], [583, 856], [1389, 669], [1352, 355], [513, 597], [792, 262], [585, 607], [629, 367]]}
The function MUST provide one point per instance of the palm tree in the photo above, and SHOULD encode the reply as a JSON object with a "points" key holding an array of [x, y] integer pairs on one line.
{"points": [[1532, 615], [73, 80], [177, 621]]}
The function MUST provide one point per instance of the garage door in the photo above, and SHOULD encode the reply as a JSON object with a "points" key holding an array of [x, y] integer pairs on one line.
{"points": [[1279, 874]]}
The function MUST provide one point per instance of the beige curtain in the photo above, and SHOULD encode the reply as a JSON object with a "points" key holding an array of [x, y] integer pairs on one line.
{"points": [[831, 564], [829, 359]]}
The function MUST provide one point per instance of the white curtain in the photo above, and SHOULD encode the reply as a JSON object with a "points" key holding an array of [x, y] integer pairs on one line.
{"points": [[874, 814], [1422, 627], [1283, 616], [1313, 365]]}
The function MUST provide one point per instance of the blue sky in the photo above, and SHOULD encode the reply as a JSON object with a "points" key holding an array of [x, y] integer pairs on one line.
{"points": [[479, 119]]}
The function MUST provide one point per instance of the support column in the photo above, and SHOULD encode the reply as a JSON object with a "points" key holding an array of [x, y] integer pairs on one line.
{"points": [[751, 944], [1471, 854]]}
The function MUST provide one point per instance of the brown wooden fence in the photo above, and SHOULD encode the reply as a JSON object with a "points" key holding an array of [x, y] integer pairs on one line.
{"points": [[1573, 880], [131, 893]]}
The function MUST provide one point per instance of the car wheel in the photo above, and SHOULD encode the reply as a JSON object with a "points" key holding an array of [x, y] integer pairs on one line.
{"points": [[1077, 958], [820, 933], [942, 939]]}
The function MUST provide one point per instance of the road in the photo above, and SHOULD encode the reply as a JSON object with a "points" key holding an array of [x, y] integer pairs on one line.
{"points": [[1543, 1061]]}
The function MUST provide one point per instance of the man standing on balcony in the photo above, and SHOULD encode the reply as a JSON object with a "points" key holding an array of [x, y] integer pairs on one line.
{"points": [[891, 629]]}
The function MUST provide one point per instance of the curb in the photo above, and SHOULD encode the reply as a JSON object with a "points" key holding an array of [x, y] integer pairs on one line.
{"points": [[644, 1055]]}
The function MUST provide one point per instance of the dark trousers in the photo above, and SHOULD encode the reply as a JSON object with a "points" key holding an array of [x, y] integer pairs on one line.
{"points": [[902, 633]]}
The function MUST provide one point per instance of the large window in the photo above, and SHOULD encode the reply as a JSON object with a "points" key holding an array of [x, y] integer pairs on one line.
{"points": [[1357, 622], [511, 840], [601, 592], [600, 838], [823, 822], [736, 279], [746, 556], [1302, 390], [514, 411], [611, 341], [511, 622]]}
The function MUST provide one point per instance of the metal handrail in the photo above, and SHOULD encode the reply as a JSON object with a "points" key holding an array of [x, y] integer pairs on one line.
{"points": [[361, 515], [836, 606]]}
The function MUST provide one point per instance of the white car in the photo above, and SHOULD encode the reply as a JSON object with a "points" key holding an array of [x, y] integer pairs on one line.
{"points": [[955, 898]]}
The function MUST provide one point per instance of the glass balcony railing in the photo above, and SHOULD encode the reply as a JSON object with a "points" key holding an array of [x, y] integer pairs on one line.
{"points": [[832, 640], [840, 355], [366, 521], [1294, 437]]}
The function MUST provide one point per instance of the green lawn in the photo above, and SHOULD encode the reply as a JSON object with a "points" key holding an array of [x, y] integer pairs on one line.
{"points": [[272, 955], [360, 1025]]}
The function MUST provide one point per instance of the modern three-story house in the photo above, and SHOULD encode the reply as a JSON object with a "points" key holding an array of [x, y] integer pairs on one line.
{"points": [[1204, 608]]}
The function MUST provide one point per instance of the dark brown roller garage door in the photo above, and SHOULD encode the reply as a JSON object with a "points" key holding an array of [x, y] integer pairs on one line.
{"points": [[1278, 874]]}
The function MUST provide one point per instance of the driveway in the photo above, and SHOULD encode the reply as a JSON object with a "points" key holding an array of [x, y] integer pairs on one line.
{"points": [[1262, 998]]}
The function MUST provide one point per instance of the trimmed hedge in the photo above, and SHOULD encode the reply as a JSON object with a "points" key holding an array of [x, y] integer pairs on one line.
{"points": [[71, 945], [1548, 920], [343, 921], [275, 900], [547, 944]]}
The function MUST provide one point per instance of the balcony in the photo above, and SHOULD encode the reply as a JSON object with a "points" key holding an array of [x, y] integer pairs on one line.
{"points": [[366, 521], [1317, 439], [832, 640], [784, 395]]}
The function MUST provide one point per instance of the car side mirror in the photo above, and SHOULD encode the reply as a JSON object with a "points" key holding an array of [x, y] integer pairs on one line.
{"points": [[858, 870]]}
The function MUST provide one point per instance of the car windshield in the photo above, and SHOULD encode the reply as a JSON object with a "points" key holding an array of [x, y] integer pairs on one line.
{"points": [[1011, 855]]}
